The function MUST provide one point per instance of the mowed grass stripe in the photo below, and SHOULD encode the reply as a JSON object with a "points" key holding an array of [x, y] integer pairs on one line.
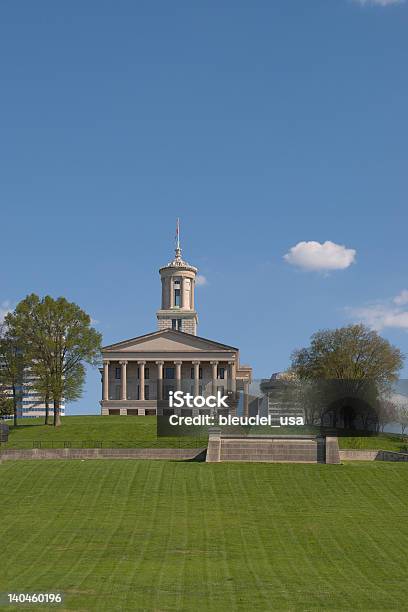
{"points": [[128, 535], [214, 517], [40, 538], [100, 532]]}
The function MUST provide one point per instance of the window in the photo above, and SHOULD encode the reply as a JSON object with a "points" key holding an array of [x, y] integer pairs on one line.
{"points": [[200, 373], [169, 373], [177, 297], [147, 396], [221, 390], [117, 373], [221, 373], [147, 376], [176, 324], [167, 390]]}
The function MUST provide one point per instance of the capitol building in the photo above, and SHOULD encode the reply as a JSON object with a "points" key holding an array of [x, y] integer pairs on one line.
{"points": [[139, 372]]}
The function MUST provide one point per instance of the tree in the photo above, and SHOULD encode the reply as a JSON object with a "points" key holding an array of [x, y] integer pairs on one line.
{"points": [[352, 368], [13, 361], [42, 384], [402, 412], [59, 339], [6, 402], [387, 412], [349, 353]]}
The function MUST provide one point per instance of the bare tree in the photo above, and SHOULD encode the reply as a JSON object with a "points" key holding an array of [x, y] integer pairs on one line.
{"points": [[387, 412], [402, 412]]}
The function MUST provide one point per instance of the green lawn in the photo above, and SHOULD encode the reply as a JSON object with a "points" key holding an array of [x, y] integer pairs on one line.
{"points": [[87, 431], [144, 535], [131, 432]]}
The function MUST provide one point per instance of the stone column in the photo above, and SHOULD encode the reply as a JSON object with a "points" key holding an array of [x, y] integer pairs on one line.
{"points": [[163, 300], [159, 379], [214, 375], [182, 292], [231, 376], [178, 375], [141, 365], [246, 398], [105, 380], [171, 292], [196, 365], [123, 379]]}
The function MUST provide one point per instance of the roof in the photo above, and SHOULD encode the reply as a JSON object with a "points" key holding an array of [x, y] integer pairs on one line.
{"points": [[172, 333]]}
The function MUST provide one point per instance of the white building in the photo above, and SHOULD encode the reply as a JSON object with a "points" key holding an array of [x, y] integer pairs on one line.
{"points": [[30, 404]]}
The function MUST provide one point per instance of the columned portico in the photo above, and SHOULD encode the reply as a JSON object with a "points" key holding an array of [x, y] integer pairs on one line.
{"points": [[151, 365]]}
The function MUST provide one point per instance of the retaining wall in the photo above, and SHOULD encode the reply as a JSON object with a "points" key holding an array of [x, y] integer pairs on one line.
{"points": [[179, 454], [372, 455], [272, 449]]}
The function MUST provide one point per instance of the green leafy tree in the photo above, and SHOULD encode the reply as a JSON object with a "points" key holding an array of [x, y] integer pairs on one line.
{"points": [[6, 403], [42, 384], [353, 353], [59, 339], [352, 368], [13, 362]]}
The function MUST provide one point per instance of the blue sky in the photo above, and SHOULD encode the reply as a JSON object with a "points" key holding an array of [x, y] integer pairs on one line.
{"points": [[261, 125]]}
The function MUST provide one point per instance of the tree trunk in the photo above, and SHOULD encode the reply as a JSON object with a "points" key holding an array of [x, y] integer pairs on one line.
{"points": [[47, 411], [15, 407], [57, 413]]}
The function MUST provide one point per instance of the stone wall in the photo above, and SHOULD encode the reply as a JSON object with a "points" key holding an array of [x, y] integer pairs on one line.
{"points": [[358, 455], [272, 449], [372, 455], [180, 454]]}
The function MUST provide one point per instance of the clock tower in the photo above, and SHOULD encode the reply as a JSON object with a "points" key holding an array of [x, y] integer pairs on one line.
{"points": [[177, 302]]}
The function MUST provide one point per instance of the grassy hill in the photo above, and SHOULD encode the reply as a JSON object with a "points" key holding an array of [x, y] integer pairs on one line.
{"points": [[134, 432], [91, 431], [141, 535]]}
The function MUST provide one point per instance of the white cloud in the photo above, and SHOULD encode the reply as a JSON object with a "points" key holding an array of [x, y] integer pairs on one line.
{"points": [[379, 315], [401, 298], [201, 280], [379, 2], [4, 309], [320, 256]]}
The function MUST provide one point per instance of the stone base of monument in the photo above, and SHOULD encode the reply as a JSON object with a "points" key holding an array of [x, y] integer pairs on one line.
{"points": [[272, 449]]}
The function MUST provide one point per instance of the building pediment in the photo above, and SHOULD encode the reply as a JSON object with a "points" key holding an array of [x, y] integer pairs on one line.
{"points": [[168, 341]]}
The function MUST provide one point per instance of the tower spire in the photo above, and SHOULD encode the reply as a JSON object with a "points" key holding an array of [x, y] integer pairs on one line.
{"points": [[178, 283], [178, 248]]}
